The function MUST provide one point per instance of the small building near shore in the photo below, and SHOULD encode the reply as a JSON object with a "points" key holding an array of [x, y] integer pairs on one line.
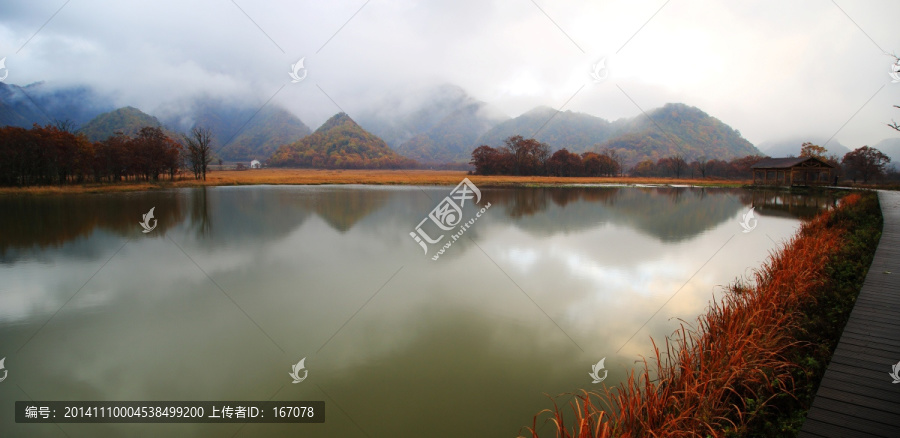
{"points": [[255, 164], [793, 171]]}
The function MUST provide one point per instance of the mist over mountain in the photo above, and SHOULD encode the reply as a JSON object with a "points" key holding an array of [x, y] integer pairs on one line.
{"points": [[441, 124], [790, 147], [891, 148], [577, 132], [240, 132], [434, 125], [451, 139], [42, 104]]}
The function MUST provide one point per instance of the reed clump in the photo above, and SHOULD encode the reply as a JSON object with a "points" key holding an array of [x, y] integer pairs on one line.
{"points": [[738, 368]]}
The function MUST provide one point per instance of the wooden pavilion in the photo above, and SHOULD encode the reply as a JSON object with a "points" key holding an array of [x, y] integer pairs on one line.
{"points": [[791, 171]]}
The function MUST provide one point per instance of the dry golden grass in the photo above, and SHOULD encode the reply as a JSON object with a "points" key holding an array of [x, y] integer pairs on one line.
{"points": [[379, 177], [710, 378]]}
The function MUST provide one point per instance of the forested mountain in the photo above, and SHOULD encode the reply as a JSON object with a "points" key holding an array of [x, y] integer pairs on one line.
{"points": [[675, 129], [339, 143], [127, 120], [678, 129], [262, 132], [577, 132]]}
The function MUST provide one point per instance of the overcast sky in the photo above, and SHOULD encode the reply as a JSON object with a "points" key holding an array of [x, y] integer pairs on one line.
{"points": [[771, 69]]}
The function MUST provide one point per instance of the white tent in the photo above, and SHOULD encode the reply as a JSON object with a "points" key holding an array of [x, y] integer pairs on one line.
{"points": [[255, 164]]}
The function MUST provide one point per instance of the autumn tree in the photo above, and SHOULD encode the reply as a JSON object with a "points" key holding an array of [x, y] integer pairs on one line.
{"points": [[866, 163], [529, 155], [808, 149], [645, 168], [611, 162], [52, 154], [743, 167], [591, 164], [565, 163], [490, 161]]}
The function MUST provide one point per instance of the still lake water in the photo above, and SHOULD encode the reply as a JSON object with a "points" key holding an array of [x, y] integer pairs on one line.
{"points": [[237, 284]]}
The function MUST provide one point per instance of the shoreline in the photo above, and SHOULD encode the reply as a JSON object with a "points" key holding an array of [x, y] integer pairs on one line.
{"points": [[417, 177], [368, 177], [751, 364]]}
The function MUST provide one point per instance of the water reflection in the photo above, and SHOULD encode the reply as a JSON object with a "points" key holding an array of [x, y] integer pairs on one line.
{"points": [[555, 279], [670, 214], [774, 202]]}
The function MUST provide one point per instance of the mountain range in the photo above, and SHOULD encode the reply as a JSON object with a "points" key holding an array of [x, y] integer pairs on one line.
{"points": [[435, 125], [240, 132]]}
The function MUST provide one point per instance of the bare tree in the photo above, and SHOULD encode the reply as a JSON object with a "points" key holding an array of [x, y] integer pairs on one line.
{"points": [[894, 124], [64, 125], [702, 165], [679, 165], [199, 151]]}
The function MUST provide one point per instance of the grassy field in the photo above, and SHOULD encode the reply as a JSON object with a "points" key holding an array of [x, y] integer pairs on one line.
{"points": [[383, 177]]}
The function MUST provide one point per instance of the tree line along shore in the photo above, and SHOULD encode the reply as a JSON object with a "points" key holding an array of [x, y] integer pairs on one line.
{"points": [[52, 155]]}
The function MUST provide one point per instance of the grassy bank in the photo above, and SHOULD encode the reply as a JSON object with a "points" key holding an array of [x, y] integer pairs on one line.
{"points": [[751, 364], [381, 177]]}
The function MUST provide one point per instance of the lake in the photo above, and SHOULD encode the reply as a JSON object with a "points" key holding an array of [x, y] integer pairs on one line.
{"points": [[235, 285]]}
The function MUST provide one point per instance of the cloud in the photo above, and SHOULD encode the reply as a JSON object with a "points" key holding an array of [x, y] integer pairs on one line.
{"points": [[770, 69]]}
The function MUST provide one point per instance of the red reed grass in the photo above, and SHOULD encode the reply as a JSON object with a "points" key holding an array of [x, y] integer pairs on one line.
{"points": [[712, 378]]}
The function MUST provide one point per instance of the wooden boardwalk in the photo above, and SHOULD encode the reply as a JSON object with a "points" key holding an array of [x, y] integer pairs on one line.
{"points": [[857, 397]]}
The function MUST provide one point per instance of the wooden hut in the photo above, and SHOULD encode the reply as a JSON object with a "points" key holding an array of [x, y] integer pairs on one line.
{"points": [[791, 171]]}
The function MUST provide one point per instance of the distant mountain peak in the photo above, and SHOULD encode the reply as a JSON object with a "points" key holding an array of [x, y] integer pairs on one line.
{"points": [[340, 143], [128, 120], [539, 111], [338, 119]]}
